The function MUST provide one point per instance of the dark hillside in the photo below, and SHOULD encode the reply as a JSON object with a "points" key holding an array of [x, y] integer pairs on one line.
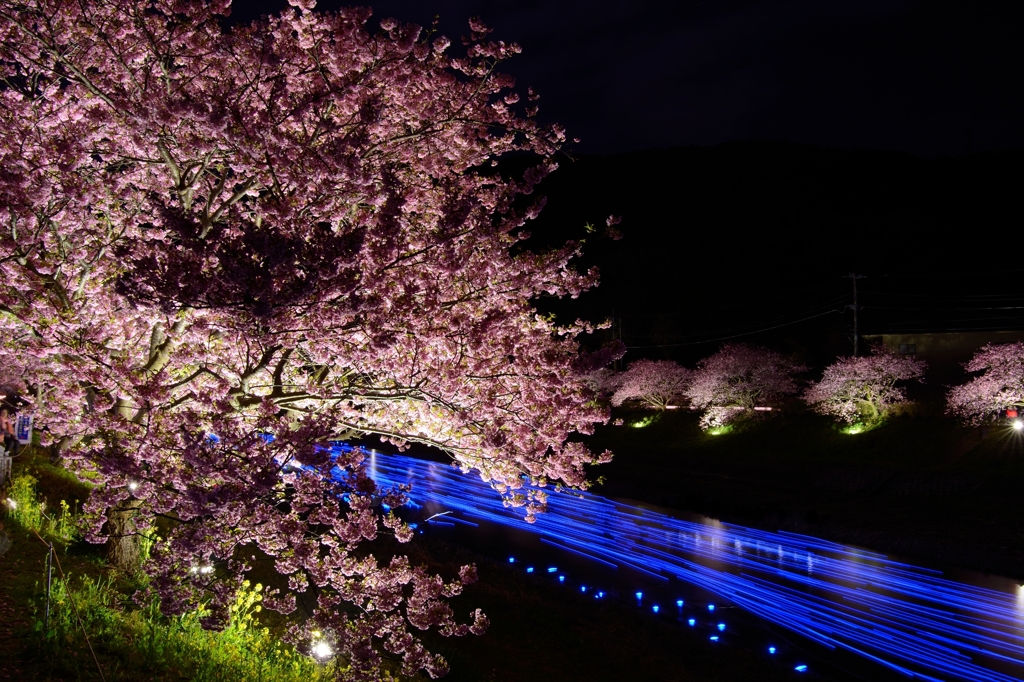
{"points": [[729, 239]]}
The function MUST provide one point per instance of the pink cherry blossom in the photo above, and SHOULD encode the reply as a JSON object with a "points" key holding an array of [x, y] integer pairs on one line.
{"points": [[863, 388], [730, 383], [999, 386], [282, 228], [653, 383]]}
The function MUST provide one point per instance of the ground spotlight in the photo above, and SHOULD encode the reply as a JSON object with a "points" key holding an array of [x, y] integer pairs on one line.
{"points": [[1018, 425]]}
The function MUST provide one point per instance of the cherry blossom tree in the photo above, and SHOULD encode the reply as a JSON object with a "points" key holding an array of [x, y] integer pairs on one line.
{"points": [[999, 386], [732, 382], [293, 227], [652, 383], [863, 388]]}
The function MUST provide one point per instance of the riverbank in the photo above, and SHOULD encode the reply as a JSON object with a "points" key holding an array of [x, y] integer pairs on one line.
{"points": [[921, 487], [537, 628]]}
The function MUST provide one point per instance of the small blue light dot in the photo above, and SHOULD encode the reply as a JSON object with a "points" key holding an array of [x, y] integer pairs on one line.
{"points": [[561, 578], [656, 608], [714, 638], [801, 668], [529, 569], [583, 588], [600, 594], [552, 569], [639, 595], [692, 621], [511, 559], [721, 627], [711, 607], [679, 603], [771, 650]]}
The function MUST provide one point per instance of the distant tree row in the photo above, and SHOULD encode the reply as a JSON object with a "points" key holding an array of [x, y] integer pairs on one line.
{"points": [[740, 380]]}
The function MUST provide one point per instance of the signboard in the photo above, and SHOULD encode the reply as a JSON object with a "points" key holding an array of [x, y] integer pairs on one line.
{"points": [[23, 429]]}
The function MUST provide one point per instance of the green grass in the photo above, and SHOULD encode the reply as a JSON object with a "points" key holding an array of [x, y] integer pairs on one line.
{"points": [[92, 611]]}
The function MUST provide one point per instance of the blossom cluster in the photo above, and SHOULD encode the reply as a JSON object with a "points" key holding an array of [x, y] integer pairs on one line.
{"points": [[725, 386], [653, 383], [863, 388], [290, 227], [998, 386]]}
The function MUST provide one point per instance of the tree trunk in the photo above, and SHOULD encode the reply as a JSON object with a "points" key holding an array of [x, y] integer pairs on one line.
{"points": [[124, 544]]}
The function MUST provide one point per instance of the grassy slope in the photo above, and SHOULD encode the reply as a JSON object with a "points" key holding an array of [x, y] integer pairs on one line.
{"points": [[920, 486]]}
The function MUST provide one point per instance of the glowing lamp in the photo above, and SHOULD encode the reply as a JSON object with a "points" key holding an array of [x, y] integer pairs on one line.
{"points": [[692, 622], [552, 569], [721, 627], [133, 486], [679, 603], [713, 638], [529, 569], [511, 559], [711, 607], [655, 608], [583, 588], [771, 650], [801, 668], [561, 578], [1018, 425], [322, 650], [11, 503], [639, 595]]}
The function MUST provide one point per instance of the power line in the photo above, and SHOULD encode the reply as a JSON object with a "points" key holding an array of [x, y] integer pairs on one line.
{"points": [[734, 336]]}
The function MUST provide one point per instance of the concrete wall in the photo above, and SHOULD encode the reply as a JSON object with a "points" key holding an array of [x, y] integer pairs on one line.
{"points": [[944, 352]]}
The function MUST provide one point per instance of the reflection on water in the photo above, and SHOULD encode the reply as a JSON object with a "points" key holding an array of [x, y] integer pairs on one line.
{"points": [[910, 619]]}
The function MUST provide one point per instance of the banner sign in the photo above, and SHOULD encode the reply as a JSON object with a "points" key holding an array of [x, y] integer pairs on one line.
{"points": [[23, 429]]}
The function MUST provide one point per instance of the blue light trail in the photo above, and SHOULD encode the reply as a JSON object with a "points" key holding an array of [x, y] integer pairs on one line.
{"points": [[909, 619]]}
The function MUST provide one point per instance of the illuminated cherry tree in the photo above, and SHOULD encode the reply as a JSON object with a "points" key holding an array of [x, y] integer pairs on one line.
{"points": [[296, 228], [863, 388], [653, 383], [999, 386], [737, 379]]}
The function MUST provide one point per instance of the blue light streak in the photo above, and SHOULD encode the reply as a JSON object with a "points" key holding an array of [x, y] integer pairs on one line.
{"points": [[909, 619], [801, 668]]}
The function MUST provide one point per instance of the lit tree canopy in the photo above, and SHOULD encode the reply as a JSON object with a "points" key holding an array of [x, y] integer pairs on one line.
{"points": [[999, 386], [653, 383], [738, 378], [290, 227], [863, 388]]}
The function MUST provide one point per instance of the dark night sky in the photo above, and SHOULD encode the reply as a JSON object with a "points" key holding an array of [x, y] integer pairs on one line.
{"points": [[736, 230], [934, 77]]}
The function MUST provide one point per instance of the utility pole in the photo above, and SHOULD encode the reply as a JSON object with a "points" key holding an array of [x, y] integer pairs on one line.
{"points": [[856, 308], [616, 335]]}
